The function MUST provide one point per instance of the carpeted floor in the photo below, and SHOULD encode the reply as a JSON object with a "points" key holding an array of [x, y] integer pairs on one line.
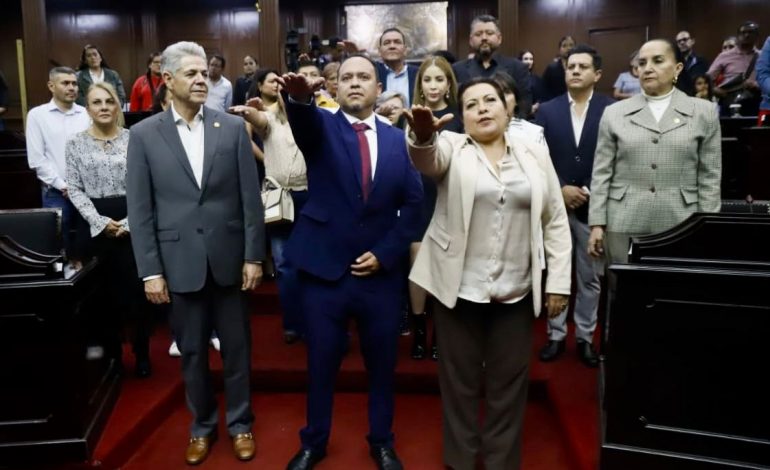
{"points": [[148, 427]]}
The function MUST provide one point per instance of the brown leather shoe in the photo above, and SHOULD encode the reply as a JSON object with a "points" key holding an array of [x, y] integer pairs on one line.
{"points": [[244, 446], [198, 449]]}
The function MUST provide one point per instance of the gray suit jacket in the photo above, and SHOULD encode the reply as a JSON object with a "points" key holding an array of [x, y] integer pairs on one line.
{"points": [[650, 176], [180, 230]]}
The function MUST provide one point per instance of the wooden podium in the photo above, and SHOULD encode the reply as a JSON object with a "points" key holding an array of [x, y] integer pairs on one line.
{"points": [[53, 401], [684, 383]]}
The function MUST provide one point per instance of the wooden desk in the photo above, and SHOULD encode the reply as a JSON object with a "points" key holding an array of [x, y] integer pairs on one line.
{"points": [[53, 402]]}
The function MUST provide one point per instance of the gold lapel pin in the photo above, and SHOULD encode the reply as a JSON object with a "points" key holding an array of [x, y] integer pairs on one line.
{"points": [[676, 121], [216, 124]]}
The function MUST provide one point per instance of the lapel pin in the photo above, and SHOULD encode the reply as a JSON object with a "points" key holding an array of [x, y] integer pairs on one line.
{"points": [[216, 123], [676, 121]]}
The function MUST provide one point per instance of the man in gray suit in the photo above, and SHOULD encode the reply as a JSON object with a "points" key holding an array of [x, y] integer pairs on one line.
{"points": [[197, 228]]}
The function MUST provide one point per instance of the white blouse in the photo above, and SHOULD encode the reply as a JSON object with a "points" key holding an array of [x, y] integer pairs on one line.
{"points": [[498, 255]]}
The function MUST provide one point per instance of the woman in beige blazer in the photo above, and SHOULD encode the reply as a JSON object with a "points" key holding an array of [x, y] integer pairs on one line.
{"points": [[499, 215], [658, 158]]}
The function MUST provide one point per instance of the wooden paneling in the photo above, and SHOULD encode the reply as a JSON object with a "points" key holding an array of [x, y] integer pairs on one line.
{"points": [[35, 51], [710, 21], [613, 44], [10, 30]]}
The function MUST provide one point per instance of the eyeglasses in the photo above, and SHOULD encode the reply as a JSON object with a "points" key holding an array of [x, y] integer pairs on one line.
{"points": [[683, 39]]}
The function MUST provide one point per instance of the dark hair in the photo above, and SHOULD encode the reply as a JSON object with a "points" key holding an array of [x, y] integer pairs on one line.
{"points": [[259, 78], [84, 64], [564, 38], [60, 70], [709, 82], [508, 84], [252, 57], [148, 74], [749, 24], [446, 55], [586, 49], [478, 81], [678, 56], [219, 58], [158, 98], [392, 30], [363, 56], [485, 19], [308, 63], [525, 51]]}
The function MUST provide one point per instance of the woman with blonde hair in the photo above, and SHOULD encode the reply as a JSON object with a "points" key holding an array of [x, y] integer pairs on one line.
{"points": [[435, 87], [96, 179]]}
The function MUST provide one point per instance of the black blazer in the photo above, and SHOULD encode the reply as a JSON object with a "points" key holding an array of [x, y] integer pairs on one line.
{"points": [[470, 68], [573, 163]]}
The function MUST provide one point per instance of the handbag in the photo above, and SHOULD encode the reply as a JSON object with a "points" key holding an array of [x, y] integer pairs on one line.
{"points": [[745, 101], [277, 201]]}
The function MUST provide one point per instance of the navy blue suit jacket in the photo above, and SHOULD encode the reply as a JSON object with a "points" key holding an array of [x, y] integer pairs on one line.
{"points": [[573, 163], [411, 73], [336, 226]]}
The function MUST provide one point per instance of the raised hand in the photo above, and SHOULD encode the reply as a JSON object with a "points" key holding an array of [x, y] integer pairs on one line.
{"points": [[299, 87], [423, 123], [256, 103]]}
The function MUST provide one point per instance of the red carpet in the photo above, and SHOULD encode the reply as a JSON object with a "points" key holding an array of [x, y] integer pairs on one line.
{"points": [[149, 425]]}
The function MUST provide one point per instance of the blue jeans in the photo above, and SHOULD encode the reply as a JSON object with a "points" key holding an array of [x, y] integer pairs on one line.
{"points": [[53, 198], [286, 274]]}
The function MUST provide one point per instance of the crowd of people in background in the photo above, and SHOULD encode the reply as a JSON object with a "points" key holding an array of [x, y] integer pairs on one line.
{"points": [[433, 191]]}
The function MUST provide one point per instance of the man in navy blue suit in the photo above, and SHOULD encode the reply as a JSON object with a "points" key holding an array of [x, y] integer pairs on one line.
{"points": [[571, 125], [349, 243], [393, 72]]}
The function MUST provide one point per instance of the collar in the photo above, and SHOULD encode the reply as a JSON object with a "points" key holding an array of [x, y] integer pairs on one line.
{"points": [[370, 121], [659, 98], [679, 101], [213, 83], [508, 144], [492, 59], [178, 117], [75, 109], [397, 74], [572, 101]]}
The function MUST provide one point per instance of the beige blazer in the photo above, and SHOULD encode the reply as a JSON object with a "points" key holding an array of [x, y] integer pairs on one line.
{"points": [[452, 160], [650, 176]]}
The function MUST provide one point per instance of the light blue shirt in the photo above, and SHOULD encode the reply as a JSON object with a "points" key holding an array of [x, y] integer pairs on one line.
{"points": [[398, 82], [220, 95]]}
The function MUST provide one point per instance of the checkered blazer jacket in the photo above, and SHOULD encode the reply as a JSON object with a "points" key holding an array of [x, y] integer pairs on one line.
{"points": [[649, 176]]}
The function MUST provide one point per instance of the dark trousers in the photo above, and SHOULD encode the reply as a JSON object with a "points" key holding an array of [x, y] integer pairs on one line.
{"points": [[485, 350], [124, 291], [375, 305], [193, 316]]}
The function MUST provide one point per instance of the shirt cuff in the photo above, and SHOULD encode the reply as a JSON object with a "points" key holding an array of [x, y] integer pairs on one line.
{"points": [[309, 102], [150, 278]]}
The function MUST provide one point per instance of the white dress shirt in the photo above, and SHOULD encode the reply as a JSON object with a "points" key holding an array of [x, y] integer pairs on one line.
{"points": [[498, 255], [578, 121], [371, 135], [48, 129], [192, 140], [220, 95]]}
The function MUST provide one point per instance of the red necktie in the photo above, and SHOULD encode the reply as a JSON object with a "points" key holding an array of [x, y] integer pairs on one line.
{"points": [[366, 159]]}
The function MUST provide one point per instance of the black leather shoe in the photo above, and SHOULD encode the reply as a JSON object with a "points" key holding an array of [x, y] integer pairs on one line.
{"points": [[587, 354], [420, 336], [305, 459], [552, 350], [143, 368], [290, 336], [385, 458]]}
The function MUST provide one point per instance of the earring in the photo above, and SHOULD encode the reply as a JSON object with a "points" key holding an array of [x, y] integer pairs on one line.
{"points": [[422, 96], [676, 78], [447, 96]]}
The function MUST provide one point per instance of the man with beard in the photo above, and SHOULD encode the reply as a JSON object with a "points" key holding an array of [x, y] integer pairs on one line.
{"points": [[485, 39], [349, 244], [48, 128]]}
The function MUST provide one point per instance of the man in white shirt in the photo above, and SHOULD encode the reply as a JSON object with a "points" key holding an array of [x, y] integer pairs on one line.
{"points": [[571, 126], [197, 228], [220, 89], [48, 128], [393, 72]]}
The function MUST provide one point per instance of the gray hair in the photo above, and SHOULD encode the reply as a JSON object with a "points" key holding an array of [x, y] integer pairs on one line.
{"points": [[60, 70], [171, 59], [386, 95]]}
